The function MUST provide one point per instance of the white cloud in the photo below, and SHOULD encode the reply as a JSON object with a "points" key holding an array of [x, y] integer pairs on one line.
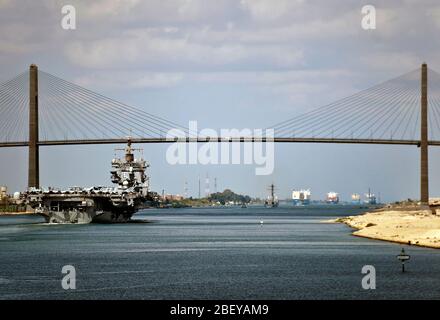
{"points": [[12, 44], [105, 8], [270, 77], [158, 80], [287, 34], [267, 10], [5, 3], [434, 14], [397, 62], [158, 12], [142, 47], [129, 80], [164, 43]]}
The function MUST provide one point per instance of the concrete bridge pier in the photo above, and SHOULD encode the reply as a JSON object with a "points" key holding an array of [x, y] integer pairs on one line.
{"points": [[424, 182], [34, 161]]}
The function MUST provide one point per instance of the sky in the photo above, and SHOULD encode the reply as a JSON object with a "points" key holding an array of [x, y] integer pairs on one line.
{"points": [[226, 64]]}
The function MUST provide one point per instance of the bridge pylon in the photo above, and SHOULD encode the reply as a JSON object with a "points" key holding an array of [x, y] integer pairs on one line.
{"points": [[424, 181], [34, 161]]}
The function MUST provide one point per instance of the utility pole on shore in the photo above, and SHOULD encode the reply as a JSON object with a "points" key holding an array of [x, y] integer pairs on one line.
{"points": [[185, 189]]}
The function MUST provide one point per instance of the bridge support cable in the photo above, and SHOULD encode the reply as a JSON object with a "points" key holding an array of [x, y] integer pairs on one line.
{"points": [[380, 112], [354, 101], [114, 118], [14, 108]]}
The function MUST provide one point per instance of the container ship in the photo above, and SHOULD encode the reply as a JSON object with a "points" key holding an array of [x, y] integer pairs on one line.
{"points": [[332, 197], [301, 197], [356, 198], [97, 204]]}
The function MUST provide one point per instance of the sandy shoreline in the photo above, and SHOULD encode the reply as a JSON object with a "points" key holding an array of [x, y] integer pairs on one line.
{"points": [[415, 227]]}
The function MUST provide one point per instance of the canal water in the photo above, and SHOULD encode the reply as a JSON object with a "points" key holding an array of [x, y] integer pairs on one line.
{"points": [[210, 253]]}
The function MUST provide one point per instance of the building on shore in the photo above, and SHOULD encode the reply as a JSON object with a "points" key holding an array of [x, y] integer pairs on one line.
{"points": [[3, 193], [172, 197]]}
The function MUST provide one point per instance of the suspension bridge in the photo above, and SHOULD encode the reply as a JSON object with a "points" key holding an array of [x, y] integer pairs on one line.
{"points": [[41, 109]]}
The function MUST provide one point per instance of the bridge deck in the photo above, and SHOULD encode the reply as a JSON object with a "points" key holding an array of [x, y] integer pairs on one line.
{"points": [[220, 139]]}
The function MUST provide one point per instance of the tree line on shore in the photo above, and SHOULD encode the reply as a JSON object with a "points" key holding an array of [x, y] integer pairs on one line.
{"points": [[217, 198]]}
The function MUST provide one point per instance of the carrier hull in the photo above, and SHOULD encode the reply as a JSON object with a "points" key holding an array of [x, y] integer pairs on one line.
{"points": [[79, 208], [73, 217]]}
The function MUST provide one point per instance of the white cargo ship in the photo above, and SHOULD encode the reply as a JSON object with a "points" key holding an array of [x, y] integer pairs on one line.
{"points": [[301, 197], [332, 197], [356, 198]]}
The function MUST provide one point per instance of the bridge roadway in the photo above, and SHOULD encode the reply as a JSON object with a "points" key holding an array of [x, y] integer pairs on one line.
{"points": [[219, 139]]}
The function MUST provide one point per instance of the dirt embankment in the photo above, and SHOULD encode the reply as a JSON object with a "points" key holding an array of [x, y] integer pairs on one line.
{"points": [[416, 227]]}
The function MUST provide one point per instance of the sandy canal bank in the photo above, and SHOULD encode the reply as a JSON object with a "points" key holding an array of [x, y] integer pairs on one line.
{"points": [[416, 227]]}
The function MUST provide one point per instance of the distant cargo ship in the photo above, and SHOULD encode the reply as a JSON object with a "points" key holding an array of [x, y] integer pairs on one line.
{"points": [[272, 199], [332, 197], [356, 198], [301, 197], [370, 198]]}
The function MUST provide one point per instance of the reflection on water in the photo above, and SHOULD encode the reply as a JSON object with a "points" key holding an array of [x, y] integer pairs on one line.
{"points": [[209, 253]]}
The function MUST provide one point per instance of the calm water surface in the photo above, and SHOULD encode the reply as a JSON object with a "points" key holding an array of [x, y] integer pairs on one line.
{"points": [[210, 253]]}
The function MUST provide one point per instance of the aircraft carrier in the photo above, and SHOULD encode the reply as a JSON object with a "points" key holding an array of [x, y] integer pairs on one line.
{"points": [[97, 204]]}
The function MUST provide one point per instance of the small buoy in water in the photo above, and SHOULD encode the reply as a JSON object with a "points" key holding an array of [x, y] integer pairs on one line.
{"points": [[261, 221]]}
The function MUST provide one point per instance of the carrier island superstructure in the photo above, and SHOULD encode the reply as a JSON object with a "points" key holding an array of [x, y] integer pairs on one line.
{"points": [[97, 204]]}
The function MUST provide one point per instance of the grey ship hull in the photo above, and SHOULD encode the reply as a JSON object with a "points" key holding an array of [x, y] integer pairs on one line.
{"points": [[72, 216], [78, 208]]}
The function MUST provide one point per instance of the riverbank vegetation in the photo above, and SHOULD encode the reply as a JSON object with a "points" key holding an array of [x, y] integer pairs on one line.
{"points": [[227, 197]]}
